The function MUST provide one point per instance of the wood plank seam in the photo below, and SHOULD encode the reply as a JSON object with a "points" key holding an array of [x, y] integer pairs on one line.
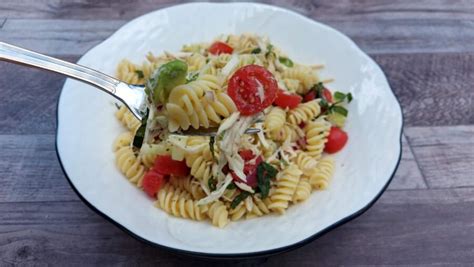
{"points": [[2, 23], [417, 163]]}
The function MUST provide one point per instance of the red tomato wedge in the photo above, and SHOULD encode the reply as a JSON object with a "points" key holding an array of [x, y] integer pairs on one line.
{"points": [[246, 154], [327, 94], [247, 87], [311, 95], [337, 139], [250, 170], [152, 182], [167, 166], [218, 48], [287, 100]]}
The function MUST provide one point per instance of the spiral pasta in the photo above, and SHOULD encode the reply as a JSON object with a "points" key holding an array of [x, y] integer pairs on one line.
{"points": [[305, 75], [275, 119], [126, 117], [287, 181], [305, 162], [319, 179], [123, 140], [316, 136], [130, 165], [191, 185], [287, 131], [195, 104], [304, 112], [218, 214], [303, 190], [178, 202]]}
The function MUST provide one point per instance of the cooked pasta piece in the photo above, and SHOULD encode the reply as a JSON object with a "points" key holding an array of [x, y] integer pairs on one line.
{"points": [[304, 112], [287, 181], [316, 136], [321, 174], [218, 214], [305, 162], [305, 75], [178, 202], [191, 185], [275, 119], [127, 118], [130, 165], [303, 190]]}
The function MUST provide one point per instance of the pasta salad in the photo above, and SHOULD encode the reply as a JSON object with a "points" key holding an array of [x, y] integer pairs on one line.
{"points": [[220, 90]]}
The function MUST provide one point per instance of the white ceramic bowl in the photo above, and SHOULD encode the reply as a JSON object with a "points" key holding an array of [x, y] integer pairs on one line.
{"points": [[87, 128]]}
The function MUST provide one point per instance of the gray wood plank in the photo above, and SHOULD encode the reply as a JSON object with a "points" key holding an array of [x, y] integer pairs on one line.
{"points": [[403, 227], [373, 9], [30, 171], [61, 36], [444, 154], [408, 175], [29, 99], [434, 89]]}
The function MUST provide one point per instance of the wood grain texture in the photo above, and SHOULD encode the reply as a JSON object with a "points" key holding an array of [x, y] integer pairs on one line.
{"points": [[404, 227], [445, 154], [373, 9], [434, 89], [408, 175], [66, 37]]}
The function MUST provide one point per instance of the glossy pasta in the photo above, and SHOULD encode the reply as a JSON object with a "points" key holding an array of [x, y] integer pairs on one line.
{"points": [[209, 177]]}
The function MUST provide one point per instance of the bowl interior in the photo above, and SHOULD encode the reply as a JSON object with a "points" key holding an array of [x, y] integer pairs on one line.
{"points": [[87, 128]]}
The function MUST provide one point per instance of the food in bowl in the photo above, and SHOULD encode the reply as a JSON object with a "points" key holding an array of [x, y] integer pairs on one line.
{"points": [[235, 83]]}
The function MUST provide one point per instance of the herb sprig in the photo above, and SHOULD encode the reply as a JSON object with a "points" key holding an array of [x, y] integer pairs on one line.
{"points": [[140, 134], [265, 172], [339, 98], [239, 198]]}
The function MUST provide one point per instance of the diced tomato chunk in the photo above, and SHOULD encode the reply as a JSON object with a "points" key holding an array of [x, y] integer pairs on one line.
{"points": [[167, 166], [287, 100], [152, 182]]}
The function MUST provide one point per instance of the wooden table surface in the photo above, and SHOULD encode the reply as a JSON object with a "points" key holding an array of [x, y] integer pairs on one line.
{"points": [[426, 49]]}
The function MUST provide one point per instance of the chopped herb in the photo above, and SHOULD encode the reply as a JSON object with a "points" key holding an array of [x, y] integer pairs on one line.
{"points": [[140, 74], [207, 60], [192, 77], [212, 140], [339, 109], [256, 50], [286, 61], [269, 50], [265, 172], [231, 186], [239, 198], [212, 184], [140, 134]]}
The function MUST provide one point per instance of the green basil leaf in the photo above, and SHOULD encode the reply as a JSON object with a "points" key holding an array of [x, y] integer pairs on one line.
{"points": [[256, 50], [286, 61], [269, 50], [265, 172], [231, 186], [338, 96], [140, 134], [324, 104], [140, 74], [239, 198], [192, 77], [341, 110], [349, 98]]}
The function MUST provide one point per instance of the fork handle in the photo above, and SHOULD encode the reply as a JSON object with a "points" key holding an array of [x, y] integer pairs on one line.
{"points": [[23, 56]]}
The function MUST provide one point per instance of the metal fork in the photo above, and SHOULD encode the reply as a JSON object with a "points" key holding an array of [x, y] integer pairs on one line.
{"points": [[131, 95]]}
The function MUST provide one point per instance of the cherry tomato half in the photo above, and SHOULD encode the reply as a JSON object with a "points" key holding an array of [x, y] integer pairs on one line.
{"points": [[166, 166], [327, 94], [286, 100], [246, 86], [250, 170], [218, 48], [152, 182], [337, 139]]}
